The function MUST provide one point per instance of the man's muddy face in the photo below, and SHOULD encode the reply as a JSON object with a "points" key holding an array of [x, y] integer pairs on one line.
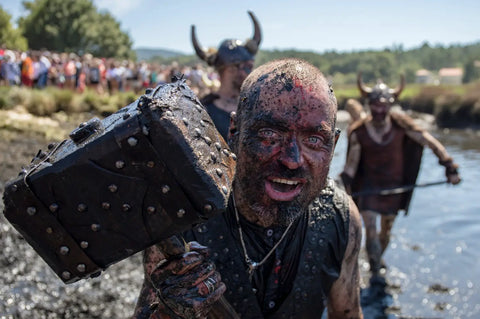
{"points": [[284, 151], [379, 110], [243, 69]]}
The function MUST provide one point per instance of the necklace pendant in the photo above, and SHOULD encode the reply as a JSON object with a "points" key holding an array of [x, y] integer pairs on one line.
{"points": [[252, 266]]}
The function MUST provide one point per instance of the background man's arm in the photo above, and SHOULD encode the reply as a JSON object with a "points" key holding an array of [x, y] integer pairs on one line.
{"points": [[426, 139], [344, 298], [352, 161]]}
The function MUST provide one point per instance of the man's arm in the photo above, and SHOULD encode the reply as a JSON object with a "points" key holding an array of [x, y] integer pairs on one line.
{"points": [[351, 164], [344, 297], [148, 300], [426, 139]]}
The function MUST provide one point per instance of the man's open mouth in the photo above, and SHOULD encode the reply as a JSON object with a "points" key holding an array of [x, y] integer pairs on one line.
{"points": [[283, 189]]}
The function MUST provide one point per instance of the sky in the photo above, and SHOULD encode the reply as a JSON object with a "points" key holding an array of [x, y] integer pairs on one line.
{"points": [[304, 25]]}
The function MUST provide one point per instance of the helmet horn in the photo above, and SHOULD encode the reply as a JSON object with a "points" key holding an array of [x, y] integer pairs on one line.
{"points": [[365, 90], [396, 92], [202, 54], [257, 35]]}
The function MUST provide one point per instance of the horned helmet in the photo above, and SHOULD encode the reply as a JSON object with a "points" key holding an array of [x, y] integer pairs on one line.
{"points": [[380, 92], [230, 51]]}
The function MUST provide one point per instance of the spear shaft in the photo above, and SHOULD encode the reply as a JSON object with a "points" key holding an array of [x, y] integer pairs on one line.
{"points": [[395, 190]]}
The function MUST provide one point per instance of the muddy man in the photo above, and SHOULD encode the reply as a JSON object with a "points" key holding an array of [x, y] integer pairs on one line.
{"points": [[288, 244]]}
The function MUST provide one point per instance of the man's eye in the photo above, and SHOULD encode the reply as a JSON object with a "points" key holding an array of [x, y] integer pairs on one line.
{"points": [[314, 141], [266, 133]]}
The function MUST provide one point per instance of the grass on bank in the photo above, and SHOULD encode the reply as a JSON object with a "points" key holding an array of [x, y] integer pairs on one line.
{"points": [[452, 106], [53, 113], [52, 100]]}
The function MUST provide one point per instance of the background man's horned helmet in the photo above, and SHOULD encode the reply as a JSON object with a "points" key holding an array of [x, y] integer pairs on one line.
{"points": [[380, 92], [231, 51]]}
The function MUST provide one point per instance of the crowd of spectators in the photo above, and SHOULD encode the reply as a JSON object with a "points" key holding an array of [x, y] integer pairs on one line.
{"points": [[39, 69]]}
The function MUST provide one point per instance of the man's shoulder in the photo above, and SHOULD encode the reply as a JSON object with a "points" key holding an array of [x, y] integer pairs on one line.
{"points": [[209, 99], [334, 196], [358, 124], [404, 121]]}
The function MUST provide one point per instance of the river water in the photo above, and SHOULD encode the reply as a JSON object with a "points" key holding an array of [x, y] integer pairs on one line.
{"points": [[434, 254]]}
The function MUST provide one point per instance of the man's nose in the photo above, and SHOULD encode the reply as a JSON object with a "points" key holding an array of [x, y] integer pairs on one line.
{"points": [[291, 155]]}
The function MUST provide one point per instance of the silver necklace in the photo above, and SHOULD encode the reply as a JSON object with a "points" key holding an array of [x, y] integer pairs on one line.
{"points": [[253, 265]]}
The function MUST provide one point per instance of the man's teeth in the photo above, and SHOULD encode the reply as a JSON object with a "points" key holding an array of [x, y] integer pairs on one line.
{"points": [[284, 181]]}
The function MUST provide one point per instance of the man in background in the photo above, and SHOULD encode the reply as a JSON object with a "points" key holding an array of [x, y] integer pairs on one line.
{"points": [[233, 60], [384, 152]]}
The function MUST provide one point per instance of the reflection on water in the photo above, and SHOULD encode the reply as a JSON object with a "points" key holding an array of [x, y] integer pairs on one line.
{"points": [[434, 254]]}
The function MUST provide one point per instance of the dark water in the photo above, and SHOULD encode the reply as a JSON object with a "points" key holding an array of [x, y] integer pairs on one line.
{"points": [[434, 255]]}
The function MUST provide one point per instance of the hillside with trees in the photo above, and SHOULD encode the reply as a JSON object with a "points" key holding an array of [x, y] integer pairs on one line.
{"points": [[386, 64]]}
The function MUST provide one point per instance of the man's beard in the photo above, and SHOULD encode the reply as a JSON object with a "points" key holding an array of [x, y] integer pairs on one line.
{"points": [[259, 207], [280, 213]]}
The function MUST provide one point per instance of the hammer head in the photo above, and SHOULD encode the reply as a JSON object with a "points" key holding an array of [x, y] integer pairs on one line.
{"points": [[155, 168]]}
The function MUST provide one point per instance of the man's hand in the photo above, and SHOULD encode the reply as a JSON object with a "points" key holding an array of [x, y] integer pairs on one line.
{"points": [[451, 171], [188, 285], [453, 178]]}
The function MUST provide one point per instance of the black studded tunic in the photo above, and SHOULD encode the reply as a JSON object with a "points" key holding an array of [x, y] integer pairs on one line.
{"points": [[296, 279]]}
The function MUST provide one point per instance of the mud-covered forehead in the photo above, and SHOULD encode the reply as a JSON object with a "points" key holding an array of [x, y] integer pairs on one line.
{"points": [[297, 94]]}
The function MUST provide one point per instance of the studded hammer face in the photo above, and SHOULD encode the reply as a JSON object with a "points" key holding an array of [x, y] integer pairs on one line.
{"points": [[153, 169], [284, 149]]}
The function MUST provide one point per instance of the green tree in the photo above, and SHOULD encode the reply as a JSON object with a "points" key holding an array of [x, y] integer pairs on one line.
{"points": [[74, 26], [471, 72], [9, 36]]}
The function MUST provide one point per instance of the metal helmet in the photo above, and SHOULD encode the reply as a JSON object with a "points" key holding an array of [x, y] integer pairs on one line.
{"points": [[380, 92], [230, 51]]}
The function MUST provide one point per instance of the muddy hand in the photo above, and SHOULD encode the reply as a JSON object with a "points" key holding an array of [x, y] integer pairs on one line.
{"points": [[454, 179], [451, 171], [188, 285]]}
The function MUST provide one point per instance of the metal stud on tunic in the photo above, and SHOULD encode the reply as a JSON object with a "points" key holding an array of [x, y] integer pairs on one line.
{"points": [[165, 189], [132, 141]]}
